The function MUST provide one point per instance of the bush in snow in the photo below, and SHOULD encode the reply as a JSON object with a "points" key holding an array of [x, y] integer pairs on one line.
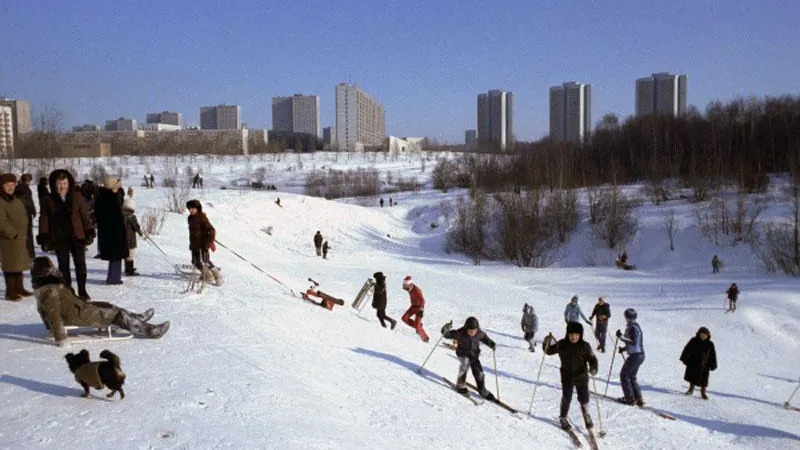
{"points": [[615, 222]]}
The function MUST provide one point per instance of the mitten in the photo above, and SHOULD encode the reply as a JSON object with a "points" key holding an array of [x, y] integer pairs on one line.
{"points": [[43, 240], [491, 345], [90, 234], [621, 350], [212, 246], [593, 372], [447, 327], [619, 333]]}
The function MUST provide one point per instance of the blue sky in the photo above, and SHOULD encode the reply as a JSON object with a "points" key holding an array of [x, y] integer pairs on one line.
{"points": [[425, 61]]}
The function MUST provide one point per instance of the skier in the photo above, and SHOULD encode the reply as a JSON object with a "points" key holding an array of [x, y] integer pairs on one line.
{"points": [[715, 264], [530, 325], [733, 295], [416, 309], [318, 243], [325, 248], [634, 345], [202, 237], [468, 353], [575, 355], [379, 300], [602, 311], [572, 313], [700, 359]]}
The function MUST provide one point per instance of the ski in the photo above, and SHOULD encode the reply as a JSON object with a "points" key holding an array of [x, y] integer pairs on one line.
{"points": [[790, 407], [661, 414], [495, 401], [592, 439], [467, 396], [576, 441]]}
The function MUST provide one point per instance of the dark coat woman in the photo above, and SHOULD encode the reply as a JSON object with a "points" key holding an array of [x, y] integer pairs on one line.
{"points": [[14, 256], [379, 300], [112, 242], [700, 358]]}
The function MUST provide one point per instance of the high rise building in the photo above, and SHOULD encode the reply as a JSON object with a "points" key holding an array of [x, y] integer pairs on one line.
{"points": [[496, 118], [166, 118], [360, 120], [570, 111], [328, 136], [469, 137], [121, 124], [20, 116], [296, 114], [220, 117], [661, 93], [6, 131]]}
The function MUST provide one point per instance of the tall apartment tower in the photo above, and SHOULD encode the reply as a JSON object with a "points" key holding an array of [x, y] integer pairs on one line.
{"points": [[121, 124], [661, 93], [166, 117], [360, 120], [570, 111], [496, 118], [20, 116], [220, 117], [296, 114], [6, 131]]}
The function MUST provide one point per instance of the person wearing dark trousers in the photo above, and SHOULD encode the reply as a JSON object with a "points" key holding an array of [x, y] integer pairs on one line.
{"points": [[379, 300], [25, 195], [318, 243], [111, 236], [733, 296], [325, 248], [65, 226], [634, 346], [202, 237], [602, 311], [700, 358], [468, 351]]}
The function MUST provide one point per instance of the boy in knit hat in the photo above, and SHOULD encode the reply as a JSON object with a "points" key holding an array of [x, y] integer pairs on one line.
{"points": [[202, 237], [577, 363], [468, 352]]}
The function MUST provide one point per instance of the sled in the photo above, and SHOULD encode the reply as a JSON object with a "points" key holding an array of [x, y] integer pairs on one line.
{"points": [[319, 298], [86, 335], [362, 294]]}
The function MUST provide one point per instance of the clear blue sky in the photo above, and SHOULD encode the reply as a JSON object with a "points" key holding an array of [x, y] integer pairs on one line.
{"points": [[425, 61]]}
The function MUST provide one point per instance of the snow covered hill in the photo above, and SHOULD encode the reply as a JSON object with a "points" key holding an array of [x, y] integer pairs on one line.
{"points": [[248, 365]]}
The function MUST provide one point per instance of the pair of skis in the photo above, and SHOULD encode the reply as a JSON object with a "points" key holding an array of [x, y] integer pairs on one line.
{"points": [[576, 441]]}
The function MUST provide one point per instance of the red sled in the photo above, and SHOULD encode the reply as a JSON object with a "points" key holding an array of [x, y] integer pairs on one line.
{"points": [[319, 298]]}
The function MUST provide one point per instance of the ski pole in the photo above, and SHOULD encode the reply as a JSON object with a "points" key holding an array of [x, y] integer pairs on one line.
{"points": [[541, 364], [255, 267], [496, 377], [614, 355], [419, 370], [792, 396], [597, 402]]}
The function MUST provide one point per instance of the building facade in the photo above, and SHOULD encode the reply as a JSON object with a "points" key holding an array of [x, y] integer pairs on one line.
{"points": [[220, 117], [470, 136], [121, 124], [360, 120], [21, 115], [661, 93], [328, 137], [166, 118], [6, 131], [296, 114], [496, 119], [86, 127], [570, 112]]}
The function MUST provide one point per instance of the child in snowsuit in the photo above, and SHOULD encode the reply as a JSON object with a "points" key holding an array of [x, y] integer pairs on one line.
{"points": [[530, 325], [202, 236], [325, 248], [602, 311], [573, 313], [132, 229], [379, 300], [577, 363], [700, 359], [733, 295], [468, 352], [416, 309], [634, 345]]}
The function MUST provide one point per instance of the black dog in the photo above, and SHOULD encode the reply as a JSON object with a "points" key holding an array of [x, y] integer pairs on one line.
{"points": [[98, 374]]}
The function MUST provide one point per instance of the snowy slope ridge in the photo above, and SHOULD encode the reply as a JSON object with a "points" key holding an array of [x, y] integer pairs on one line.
{"points": [[246, 365]]}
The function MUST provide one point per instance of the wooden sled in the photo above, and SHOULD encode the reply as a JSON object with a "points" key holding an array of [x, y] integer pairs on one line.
{"points": [[87, 335]]}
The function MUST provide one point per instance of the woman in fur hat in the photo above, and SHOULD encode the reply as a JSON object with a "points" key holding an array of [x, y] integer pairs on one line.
{"points": [[700, 359], [202, 237], [14, 256]]}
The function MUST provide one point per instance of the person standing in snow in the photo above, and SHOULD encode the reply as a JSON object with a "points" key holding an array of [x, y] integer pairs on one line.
{"points": [[25, 195], [733, 295], [577, 363], [318, 243], [634, 345], [379, 300], [573, 313], [325, 248], [416, 309], [530, 325], [700, 359], [132, 229], [602, 311], [202, 237], [468, 351], [715, 264]]}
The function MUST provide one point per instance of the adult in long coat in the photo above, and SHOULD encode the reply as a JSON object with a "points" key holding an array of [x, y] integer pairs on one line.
{"points": [[112, 241], [14, 256], [379, 300], [25, 195], [65, 226], [700, 358]]}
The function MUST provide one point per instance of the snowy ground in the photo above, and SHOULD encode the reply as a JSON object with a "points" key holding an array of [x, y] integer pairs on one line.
{"points": [[247, 365]]}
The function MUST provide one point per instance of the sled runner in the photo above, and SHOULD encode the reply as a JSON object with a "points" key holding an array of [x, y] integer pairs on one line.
{"points": [[319, 298], [85, 335]]}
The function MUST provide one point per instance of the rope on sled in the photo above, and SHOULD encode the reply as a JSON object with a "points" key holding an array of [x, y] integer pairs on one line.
{"points": [[256, 267]]}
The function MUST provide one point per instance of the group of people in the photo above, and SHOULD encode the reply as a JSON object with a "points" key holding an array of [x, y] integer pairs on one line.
{"points": [[320, 244], [412, 317]]}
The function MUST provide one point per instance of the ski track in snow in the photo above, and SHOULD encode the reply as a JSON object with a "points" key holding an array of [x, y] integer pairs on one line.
{"points": [[247, 365]]}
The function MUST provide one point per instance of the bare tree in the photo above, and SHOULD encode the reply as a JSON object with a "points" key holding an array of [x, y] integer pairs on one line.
{"points": [[561, 211], [616, 223], [468, 234]]}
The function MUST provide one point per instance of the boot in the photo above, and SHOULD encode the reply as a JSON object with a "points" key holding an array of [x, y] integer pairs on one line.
{"points": [[690, 391], [145, 316], [139, 328], [81, 278], [703, 393], [11, 287], [564, 423], [130, 271], [217, 276], [20, 286], [639, 402], [626, 400], [394, 324], [587, 418]]}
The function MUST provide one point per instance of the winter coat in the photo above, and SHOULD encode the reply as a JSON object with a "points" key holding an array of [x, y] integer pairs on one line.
{"points": [[41, 189], [416, 297], [530, 322], [317, 240], [467, 345], [573, 313], [379, 295], [112, 242], [602, 312], [58, 307], [201, 232], [24, 194], [132, 228], [63, 222], [733, 293], [14, 255], [574, 359], [633, 338], [700, 358]]}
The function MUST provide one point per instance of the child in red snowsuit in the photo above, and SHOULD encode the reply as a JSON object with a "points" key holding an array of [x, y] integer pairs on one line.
{"points": [[416, 309]]}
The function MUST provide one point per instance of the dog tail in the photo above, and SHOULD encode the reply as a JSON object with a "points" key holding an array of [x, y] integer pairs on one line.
{"points": [[112, 358]]}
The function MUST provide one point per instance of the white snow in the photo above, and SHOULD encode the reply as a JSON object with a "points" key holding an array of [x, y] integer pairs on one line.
{"points": [[246, 365]]}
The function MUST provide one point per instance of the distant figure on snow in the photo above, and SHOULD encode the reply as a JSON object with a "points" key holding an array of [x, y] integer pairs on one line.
{"points": [[379, 300], [623, 258], [573, 313], [530, 325], [318, 243], [715, 264], [152, 180], [733, 295], [381, 202], [278, 202], [602, 311], [416, 309], [700, 358], [325, 248]]}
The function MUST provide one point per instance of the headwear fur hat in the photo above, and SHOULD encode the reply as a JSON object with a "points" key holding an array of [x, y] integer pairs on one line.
{"points": [[575, 327], [194, 204], [471, 323], [8, 178]]}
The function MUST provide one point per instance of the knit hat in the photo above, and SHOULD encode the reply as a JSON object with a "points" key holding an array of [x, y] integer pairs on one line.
{"points": [[631, 314], [8, 178], [194, 204], [129, 203], [26, 177], [407, 281], [379, 276], [703, 330], [575, 327], [471, 324], [574, 299]]}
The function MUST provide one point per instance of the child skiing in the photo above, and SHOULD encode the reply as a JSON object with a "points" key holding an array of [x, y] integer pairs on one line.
{"points": [[468, 352], [634, 345], [201, 239], [700, 359], [602, 311], [577, 363], [573, 313], [733, 295], [530, 325], [416, 309]]}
